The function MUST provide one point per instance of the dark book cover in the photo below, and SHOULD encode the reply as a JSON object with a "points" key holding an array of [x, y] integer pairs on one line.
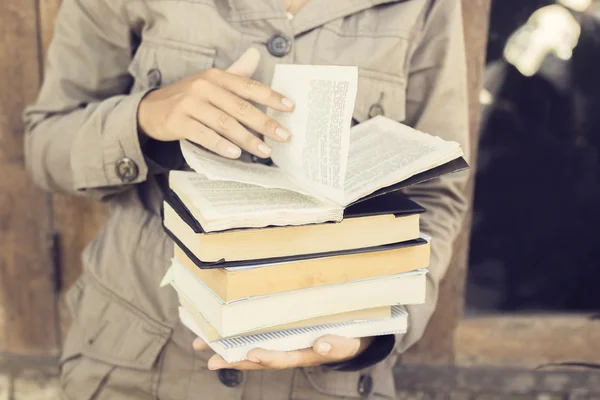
{"points": [[278, 260]]}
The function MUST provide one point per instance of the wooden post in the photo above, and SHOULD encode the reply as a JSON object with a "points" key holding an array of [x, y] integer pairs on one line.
{"points": [[28, 324], [437, 345]]}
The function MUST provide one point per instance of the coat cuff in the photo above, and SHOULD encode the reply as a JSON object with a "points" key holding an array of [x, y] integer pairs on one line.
{"points": [[379, 349], [109, 153]]}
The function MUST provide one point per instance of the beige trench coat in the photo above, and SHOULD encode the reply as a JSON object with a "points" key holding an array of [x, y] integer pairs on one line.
{"points": [[81, 139]]}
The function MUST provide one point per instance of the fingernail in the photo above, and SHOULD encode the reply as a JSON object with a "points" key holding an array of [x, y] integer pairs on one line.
{"points": [[266, 150], [323, 348], [233, 151], [254, 359], [197, 343], [282, 133], [287, 102]]}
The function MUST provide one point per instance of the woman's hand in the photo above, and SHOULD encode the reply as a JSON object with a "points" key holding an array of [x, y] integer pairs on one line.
{"points": [[327, 349], [212, 109]]}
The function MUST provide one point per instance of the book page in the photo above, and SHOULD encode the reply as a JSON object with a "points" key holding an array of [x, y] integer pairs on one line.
{"points": [[317, 152], [219, 168], [227, 202], [384, 152]]}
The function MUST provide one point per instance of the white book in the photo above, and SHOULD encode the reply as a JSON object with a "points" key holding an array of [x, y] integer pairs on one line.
{"points": [[234, 349], [252, 313]]}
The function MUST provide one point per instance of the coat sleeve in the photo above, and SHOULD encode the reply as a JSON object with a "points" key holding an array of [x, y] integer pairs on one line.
{"points": [[437, 104], [81, 134]]}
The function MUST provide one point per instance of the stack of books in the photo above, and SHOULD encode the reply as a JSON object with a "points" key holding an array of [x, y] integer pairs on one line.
{"points": [[322, 242]]}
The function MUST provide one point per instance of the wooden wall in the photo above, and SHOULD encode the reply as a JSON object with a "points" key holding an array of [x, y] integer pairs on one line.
{"points": [[27, 306], [32, 222]]}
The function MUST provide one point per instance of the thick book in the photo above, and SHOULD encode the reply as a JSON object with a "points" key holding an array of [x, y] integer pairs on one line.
{"points": [[258, 262], [236, 348], [245, 315], [386, 219], [234, 283], [324, 168]]}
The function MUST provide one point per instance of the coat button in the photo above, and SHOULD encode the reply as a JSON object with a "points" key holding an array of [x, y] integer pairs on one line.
{"points": [[365, 385], [230, 377], [127, 169], [375, 110], [279, 45], [154, 78]]}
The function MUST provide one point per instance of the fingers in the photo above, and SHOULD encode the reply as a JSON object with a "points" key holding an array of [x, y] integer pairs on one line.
{"points": [[286, 359], [265, 359], [249, 89], [212, 107], [228, 128], [339, 348], [327, 349], [217, 362], [197, 132], [247, 63], [243, 111], [220, 102]]}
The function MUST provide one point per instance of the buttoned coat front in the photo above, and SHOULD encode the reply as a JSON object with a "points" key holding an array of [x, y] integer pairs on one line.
{"points": [[82, 139]]}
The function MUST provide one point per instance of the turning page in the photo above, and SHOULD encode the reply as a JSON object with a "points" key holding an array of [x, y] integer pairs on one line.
{"points": [[317, 153], [220, 168]]}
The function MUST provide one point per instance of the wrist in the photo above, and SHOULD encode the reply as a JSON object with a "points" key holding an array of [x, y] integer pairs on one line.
{"points": [[376, 349], [161, 156], [145, 117]]}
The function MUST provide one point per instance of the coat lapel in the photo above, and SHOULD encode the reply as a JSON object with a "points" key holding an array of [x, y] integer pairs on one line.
{"points": [[318, 12]]}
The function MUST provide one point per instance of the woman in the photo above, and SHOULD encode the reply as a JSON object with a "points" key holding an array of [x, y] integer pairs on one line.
{"points": [[126, 79]]}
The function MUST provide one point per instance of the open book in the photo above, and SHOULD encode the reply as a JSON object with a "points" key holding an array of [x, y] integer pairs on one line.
{"points": [[325, 167]]}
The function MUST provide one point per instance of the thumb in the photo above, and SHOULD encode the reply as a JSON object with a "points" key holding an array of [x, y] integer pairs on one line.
{"points": [[337, 347], [246, 64], [199, 345]]}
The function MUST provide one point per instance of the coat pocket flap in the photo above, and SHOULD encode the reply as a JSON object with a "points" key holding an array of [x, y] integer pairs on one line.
{"points": [[379, 94], [159, 62], [112, 331]]}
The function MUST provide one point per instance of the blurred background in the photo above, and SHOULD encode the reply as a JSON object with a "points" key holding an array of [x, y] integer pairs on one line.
{"points": [[519, 312], [535, 243]]}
